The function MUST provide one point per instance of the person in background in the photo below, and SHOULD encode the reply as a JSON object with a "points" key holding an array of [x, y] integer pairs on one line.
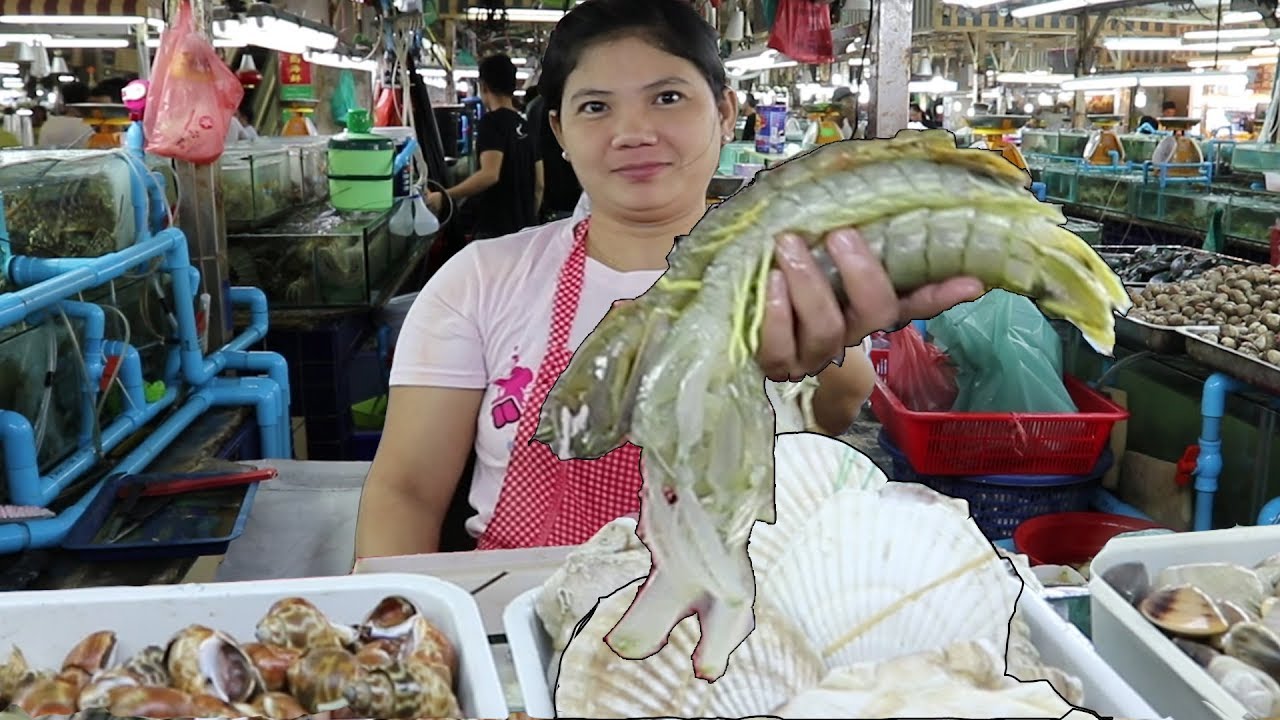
{"points": [[750, 117], [915, 119], [241, 129], [1148, 125], [68, 130], [560, 189], [639, 98], [1169, 109], [505, 186], [844, 100]]}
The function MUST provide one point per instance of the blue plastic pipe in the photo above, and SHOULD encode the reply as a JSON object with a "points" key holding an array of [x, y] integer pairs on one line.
{"points": [[95, 323], [1270, 514], [256, 302], [259, 392], [1213, 405], [277, 370]]}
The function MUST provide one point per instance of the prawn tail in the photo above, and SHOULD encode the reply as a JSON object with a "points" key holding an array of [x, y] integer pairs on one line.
{"points": [[1072, 289]]}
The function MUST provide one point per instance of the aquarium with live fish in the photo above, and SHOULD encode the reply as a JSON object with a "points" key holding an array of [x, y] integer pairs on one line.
{"points": [[255, 184], [308, 166], [1138, 147], [1255, 157], [1250, 216], [32, 354], [1187, 206], [1107, 190], [318, 257], [1039, 142], [1061, 180], [67, 203], [1071, 143]]}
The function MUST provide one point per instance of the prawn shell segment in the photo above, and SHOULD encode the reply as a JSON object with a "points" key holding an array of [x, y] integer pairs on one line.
{"points": [[878, 593], [772, 665]]}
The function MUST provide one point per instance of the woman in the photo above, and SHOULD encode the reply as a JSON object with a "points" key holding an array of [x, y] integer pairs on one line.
{"points": [[472, 366]]}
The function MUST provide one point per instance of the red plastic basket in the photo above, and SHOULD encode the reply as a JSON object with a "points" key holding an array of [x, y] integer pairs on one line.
{"points": [[954, 443], [880, 361]]}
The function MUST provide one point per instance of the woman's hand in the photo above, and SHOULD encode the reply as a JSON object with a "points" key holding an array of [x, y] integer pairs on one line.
{"points": [[435, 201], [804, 326]]}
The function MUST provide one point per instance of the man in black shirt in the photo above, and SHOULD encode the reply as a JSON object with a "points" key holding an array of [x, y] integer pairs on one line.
{"points": [[502, 189]]}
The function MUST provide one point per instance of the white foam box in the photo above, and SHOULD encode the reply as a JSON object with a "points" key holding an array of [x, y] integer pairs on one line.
{"points": [[1060, 644], [46, 624], [1152, 664]]}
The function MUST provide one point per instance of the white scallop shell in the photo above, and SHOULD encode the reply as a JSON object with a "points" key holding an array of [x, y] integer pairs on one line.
{"points": [[808, 469], [771, 666], [880, 574]]}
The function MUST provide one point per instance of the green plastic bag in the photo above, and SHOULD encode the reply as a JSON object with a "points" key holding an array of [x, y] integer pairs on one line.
{"points": [[344, 97], [1008, 356], [770, 9]]}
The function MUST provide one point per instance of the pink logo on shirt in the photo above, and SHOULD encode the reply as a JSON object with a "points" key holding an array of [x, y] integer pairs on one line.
{"points": [[506, 405]]}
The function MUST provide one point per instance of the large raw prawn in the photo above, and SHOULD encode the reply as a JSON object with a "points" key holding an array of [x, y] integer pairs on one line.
{"points": [[674, 372]]}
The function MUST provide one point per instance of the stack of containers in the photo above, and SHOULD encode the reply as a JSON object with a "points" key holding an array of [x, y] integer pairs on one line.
{"points": [[1009, 467]]}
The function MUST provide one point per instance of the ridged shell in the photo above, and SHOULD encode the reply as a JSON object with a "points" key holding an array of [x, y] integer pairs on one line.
{"points": [[808, 469], [876, 575], [773, 664]]}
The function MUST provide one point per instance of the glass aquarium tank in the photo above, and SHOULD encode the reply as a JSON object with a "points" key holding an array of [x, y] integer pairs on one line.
{"points": [[1071, 143], [1138, 147], [1255, 157], [1061, 181], [1087, 230], [1250, 216], [1039, 142], [67, 203], [308, 159], [1188, 205], [1107, 190], [255, 184], [318, 257]]}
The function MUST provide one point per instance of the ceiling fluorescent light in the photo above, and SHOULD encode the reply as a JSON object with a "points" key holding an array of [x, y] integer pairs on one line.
{"points": [[24, 38], [1236, 34], [1241, 17], [518, 15], [72, 19], [1057, 6], [1271, 51], [1100, 82], [1141, 43], [1188, 79], [1032, 78], [87, 43], [973, 4], [933, 86], [341, 61]]}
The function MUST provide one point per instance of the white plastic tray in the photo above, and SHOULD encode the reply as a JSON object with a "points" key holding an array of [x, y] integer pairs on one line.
{"points": [[47, 624], [1150, 662], [1060, 644]]}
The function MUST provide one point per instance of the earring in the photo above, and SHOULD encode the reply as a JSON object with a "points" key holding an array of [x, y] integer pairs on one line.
{"points": [[564, 154], [728, 137]]}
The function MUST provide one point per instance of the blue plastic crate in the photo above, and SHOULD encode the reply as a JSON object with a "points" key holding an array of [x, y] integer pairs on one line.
{"points": [[999, 503]]}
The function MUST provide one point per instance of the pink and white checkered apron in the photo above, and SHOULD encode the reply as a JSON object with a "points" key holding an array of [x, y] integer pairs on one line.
{"points": [[546, 501]]}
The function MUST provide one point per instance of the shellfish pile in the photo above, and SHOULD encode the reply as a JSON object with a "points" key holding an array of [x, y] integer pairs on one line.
{"points": [[874, 599], [1226, 617], [393, 664]]}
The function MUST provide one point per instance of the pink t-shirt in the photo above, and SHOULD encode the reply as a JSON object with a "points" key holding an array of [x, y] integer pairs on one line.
{"points": [[482, 322]]}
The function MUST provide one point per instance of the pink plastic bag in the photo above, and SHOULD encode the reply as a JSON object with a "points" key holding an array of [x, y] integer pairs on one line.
{"points": [[920, 374], [193, 96], [802, 31]]}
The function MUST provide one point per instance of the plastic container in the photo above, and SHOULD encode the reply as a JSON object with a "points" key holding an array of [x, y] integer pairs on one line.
{"points": [[1000, 504], [1072, 538], [256, 187], [948, 443], [1060, 644], [193, 525], [361, 167], [46, 624], [400, 136], [1151, 663]]}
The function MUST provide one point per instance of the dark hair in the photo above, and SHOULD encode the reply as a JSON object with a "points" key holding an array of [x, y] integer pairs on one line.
{"points": [[111, 88], [498, 73], [672, 26], [74, 93], [1169, 105], [750, 101]]}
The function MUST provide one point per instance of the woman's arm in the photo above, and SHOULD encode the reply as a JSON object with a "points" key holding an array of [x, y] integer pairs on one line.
{"points": [[842, 390], [428, 438]]}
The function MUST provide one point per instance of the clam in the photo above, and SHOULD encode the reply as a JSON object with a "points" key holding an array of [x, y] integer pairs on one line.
{"points": [[1255, 644], [1224, 582], [1184, 610], [318, 679], [202, 661], [149, 666], [97, 693], [1251, 687], [775, 662], [1130, 580], [402, 690], [1234, 613], [95, 652], [1269, 571], [149, 701], [297, 624], [272, 662]]}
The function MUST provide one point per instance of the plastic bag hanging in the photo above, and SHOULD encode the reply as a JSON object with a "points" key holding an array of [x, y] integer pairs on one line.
{"points": [[192, 98], [425, 222], [402, 220], [344, 97], [802, 31]]}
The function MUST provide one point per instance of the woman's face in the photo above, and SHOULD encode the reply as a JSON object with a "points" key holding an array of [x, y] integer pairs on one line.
{"points": [[642, 130]]}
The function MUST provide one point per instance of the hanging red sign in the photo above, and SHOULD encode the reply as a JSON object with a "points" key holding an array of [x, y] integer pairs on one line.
{"points": [[295, 77]]}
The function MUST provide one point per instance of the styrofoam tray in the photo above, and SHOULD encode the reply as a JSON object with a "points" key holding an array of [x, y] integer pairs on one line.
{"points": [[1151, 663], [1060, 644], [46, 624]]}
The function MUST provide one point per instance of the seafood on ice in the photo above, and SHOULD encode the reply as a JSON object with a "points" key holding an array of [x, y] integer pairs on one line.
{"points": [[1224, 616], [852, 618], [673, 372], [393, 664]]}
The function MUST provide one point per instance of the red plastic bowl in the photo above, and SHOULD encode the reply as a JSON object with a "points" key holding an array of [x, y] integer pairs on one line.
{"points": [[1072, 538]]}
